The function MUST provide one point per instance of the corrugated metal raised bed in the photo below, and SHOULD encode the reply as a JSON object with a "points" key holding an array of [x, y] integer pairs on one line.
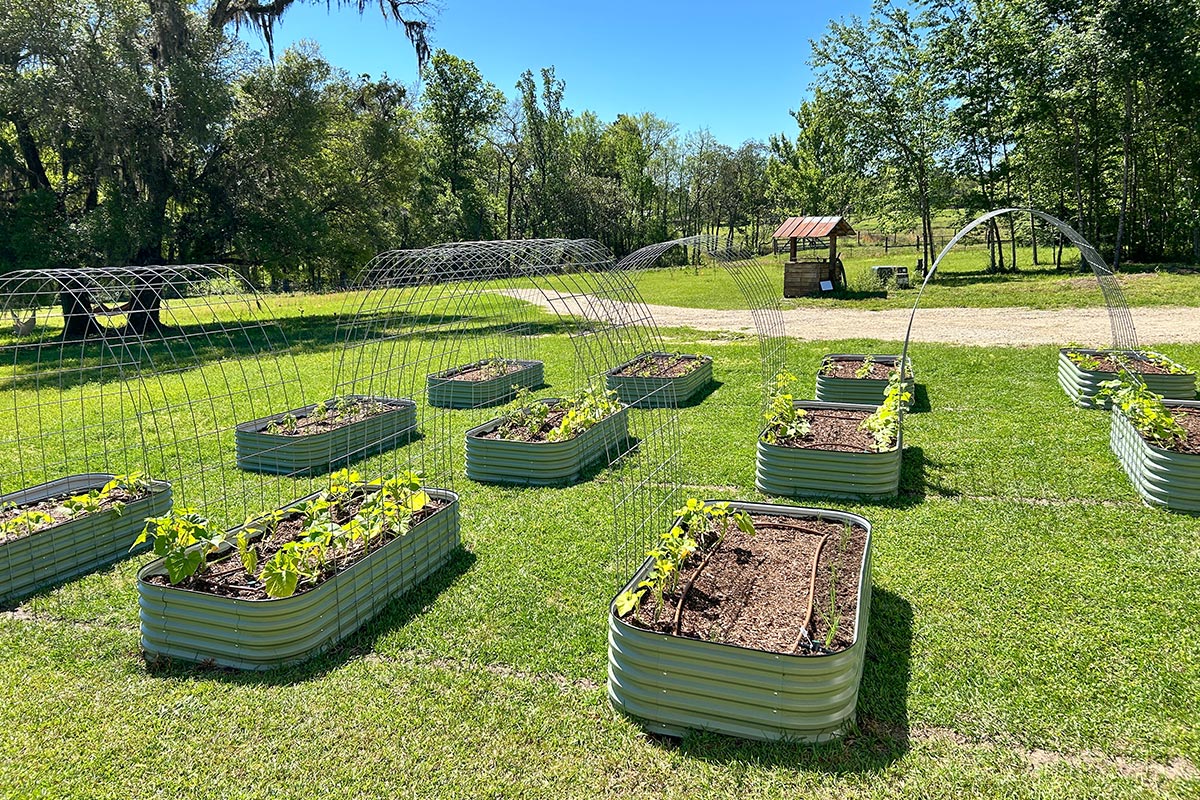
{"points": [[196, 626], [673, 684], [77, 546], [865, 391], [805, 472], [1162, 477], [445, 391], [281, 454], [544, 463], [1083, 385], [648, 391]]}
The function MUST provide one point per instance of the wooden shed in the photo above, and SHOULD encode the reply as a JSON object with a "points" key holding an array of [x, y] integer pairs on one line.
{"points": [[802, 278]]}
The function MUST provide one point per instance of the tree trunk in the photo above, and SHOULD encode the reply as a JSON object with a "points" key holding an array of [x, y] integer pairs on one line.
{"points": [[1126, 158]]}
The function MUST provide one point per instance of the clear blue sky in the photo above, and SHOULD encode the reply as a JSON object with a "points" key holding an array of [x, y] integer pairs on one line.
{"points": [[734, 68]]}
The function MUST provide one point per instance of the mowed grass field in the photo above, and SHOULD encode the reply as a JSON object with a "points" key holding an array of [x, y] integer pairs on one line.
{"points": [[1033, 629], [961, 281]]}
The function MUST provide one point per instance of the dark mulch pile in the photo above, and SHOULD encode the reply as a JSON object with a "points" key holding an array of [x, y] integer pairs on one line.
{"points": [[485, 372], [227, 578], [846, 368], [834, 429], [54, 507], [754, 590], [661, 366]]}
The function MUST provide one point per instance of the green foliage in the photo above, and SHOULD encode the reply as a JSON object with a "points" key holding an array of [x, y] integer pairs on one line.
{"points": [[1143, 408], [865, 369], [690, 533], [183, 539], [25, 523], [584, 409], [784, 420], [1172, 366], [884, 423], [1083, 360]]}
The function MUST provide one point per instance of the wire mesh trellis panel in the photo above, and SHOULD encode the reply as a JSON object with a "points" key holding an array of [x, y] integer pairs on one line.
{"points": [[136, 370], [473, 312], [758, 289], [1124, 335]]}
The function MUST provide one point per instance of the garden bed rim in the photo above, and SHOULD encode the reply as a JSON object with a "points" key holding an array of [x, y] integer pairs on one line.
{"points": [[228, 545], [752, 507], [258, 426]]}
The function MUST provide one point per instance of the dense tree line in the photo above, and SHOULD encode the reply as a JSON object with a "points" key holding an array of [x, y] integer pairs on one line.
{"points": [[144, 131]]}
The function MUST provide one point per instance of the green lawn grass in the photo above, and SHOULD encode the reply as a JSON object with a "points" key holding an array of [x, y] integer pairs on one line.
{"points": [[961, 281], [1032, 632]]}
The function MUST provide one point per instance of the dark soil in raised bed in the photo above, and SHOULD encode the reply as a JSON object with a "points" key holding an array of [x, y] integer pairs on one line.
{"points": [[848, 369], [227, 578], [331, 421], [54, 507], [1110, 364], [661, 366], [485, 372], [754, 590], [834, 429]]}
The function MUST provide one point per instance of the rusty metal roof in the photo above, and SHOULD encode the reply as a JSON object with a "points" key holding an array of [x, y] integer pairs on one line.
{"points": [[812, 228]]}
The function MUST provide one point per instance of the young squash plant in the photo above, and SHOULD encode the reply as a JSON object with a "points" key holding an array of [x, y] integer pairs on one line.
{"points": [[692, 533], [784, 420], [76, 506], [884, 423], [1143, 408]]}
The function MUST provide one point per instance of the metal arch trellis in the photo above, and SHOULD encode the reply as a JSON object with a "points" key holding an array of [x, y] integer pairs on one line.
{"points": [[144, 369], [1124, 335], [413, 314], [758, 289]]}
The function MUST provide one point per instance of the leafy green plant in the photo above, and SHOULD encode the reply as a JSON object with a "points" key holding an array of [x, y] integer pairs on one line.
{"points": [[183, 539], [585, 409], [285, 424], [884, 423], [319, 411], [863, 371], [828, 367], [1172, 366], [692, 532], [1083, 360], [24, 524], [1143, 408], [784, 420]]}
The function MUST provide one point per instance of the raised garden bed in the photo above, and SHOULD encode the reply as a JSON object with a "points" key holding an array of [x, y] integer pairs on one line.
{"points": [[862, 379], [305, 440], [34, 557], [660, 380], [834, 460], [1081, 371], [483, 383], [512, 450], [232, 622], [738, 663], [1165, 474]]}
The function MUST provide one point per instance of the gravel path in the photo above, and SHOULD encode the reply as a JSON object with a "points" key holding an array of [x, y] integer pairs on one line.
{"points": [[973, 326]]}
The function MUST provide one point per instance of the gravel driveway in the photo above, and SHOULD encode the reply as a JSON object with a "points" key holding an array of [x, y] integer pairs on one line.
{"points": [[974, 326]]}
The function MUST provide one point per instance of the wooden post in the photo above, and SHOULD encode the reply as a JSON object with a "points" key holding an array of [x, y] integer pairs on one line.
{"points": [[793, 241], [832, 248]]}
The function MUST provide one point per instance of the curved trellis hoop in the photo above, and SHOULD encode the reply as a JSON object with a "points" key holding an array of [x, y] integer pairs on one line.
{"points": [[1124, 335], [142, 370], [416, 319], [758, 289]]}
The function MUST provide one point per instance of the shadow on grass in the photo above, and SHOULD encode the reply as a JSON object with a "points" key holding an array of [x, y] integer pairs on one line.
{"points": [[702, 395], [882, 734], [395, 614], [915, 481], [68, 364], [920, 400]]}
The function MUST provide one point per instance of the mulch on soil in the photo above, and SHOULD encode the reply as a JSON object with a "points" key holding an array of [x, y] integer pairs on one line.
{"points": [[834, 429], [1189, 418], [1110, 364], [754, 591], [655, 366], [485, 372], [331, 421], [55, 508], [847, 369]]}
